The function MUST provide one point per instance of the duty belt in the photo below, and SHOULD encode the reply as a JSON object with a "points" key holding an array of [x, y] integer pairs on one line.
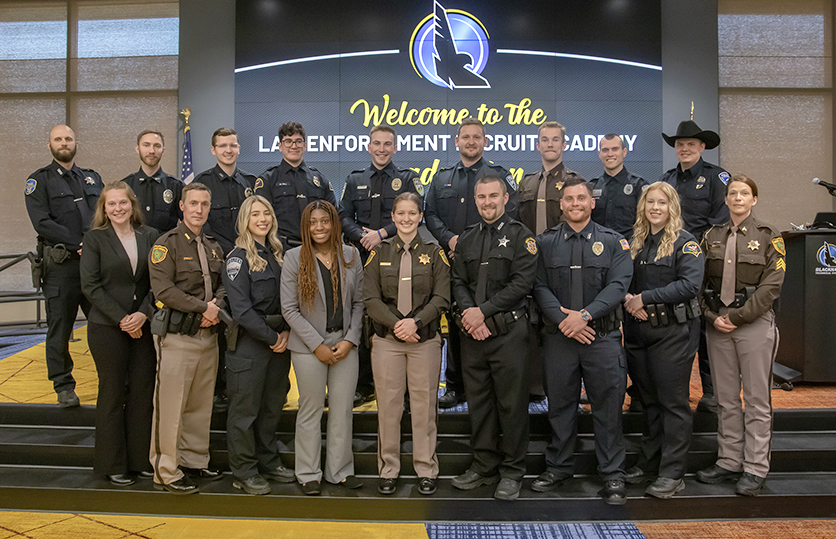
{"points": [[712, 298], [603, 325], [663, 314], [498, 324]]}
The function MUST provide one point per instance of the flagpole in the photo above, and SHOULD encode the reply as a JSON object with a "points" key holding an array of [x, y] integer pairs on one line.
{"points": [[186, 169]]}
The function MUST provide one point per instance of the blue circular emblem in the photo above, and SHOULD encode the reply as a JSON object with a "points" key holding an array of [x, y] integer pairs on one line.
{"points": [[826, 255], [450, 49]]}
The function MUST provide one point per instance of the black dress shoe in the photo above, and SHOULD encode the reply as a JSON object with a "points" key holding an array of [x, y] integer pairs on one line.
{"points": [[708, 403], [750, 485], [547, 481], [121, 479], [508, 489], [470, 480], [351, 482], [386, 485], [220, 403], [256, 485], [144, 475], [362, 396], [637, 476], [68, 399], [614, 492], [450, 399], [717, 474], [427, 486], [280, 474], [181, 486], [311, 488], [665, 487], [202, 473]]}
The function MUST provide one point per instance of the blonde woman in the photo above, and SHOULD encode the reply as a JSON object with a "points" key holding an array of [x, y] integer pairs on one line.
{"points": [[661, 335], [257, 370]]}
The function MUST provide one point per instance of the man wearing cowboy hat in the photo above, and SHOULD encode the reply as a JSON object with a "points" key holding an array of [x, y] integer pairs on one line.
{"points": [[702, 190]]}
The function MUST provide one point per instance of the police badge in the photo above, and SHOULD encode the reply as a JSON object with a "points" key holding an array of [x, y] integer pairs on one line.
{"points": [[396, 184], [628, 189], [700, 182], [597, 248], [168, 196], [248, 192], [316, 181], [89, 180]]}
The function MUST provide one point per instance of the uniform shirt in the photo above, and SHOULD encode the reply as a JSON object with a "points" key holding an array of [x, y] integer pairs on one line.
{"points": [[363, 186], [616, 198], [176, 278], [61, 203], [450, 206], [702, 195], [672, 279], [607, 270], [228, 193], [512, 264], [251, 294], [760, 263], [530, 187], [159, 197], [430, 282], [290, 189]]}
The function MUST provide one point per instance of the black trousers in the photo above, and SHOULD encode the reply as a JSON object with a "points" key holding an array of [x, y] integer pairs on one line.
{"points": [[62, 290], [257, 384], [365, 376], [453, 371], [496, 380], [602, 366], [704, 366], [127, 368], [660, 362]]}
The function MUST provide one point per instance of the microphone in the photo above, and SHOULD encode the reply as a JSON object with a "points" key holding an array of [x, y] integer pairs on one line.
{"points": [[829, 186]]}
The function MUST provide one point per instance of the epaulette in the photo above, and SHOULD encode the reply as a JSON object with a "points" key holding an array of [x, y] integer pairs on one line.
{"points": [[202, 174], [248, 174], [362, 170]]}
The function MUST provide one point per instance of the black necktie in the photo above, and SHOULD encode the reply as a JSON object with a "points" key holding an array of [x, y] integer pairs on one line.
{"points": [[576, 273], [77, 182], [377, 196], [482, 281]]}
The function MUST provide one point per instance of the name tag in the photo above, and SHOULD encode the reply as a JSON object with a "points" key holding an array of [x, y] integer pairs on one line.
{"points": [[188, 258], [362, 187], [385, 263], [597, 192]]}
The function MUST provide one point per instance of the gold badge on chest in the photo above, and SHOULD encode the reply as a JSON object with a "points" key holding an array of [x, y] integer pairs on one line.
{"points": [[396, 184]]}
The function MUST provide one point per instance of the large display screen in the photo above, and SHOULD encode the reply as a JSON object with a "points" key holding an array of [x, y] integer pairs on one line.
{"points": [[341, 67]]}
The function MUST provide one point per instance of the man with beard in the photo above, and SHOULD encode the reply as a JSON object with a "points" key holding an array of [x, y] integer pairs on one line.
{"points": [[158, 193], [61, 200]]}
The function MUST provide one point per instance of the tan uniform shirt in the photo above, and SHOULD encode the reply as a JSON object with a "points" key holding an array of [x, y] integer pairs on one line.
{"points": [[529, 188]]}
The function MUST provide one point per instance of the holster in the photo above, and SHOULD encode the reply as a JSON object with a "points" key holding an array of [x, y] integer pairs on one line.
{"points": [[160, 321], [36, 264]]}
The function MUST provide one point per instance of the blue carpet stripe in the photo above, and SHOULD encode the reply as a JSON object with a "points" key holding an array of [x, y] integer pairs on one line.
{"points": [[609, 530]]}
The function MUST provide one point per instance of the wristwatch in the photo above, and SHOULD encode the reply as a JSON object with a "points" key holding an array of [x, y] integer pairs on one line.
{"points": [[585, 315]]}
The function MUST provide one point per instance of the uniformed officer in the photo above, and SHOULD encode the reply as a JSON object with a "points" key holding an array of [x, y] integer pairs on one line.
{"points": [[185, 271], [257, 368], [616, 191], [661, 336], [158, 192], [449, 209], [406, 286], [582, 276], [493, 272], [61, 200], [293, 184], [540, 191], [366, 215], [745, 267], [701, 188]]}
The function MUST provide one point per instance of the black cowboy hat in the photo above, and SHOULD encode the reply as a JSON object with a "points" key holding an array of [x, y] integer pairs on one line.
{"points": [[689, 129]]}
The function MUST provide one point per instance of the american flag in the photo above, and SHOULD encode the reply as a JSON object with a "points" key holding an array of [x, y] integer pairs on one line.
{"points": [[187, 171]]}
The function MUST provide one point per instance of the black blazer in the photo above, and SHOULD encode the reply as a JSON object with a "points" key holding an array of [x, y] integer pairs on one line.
{"points": [[106, 277]]}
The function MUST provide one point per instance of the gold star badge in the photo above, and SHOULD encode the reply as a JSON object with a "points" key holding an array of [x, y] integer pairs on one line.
{"points": [[754, 245], [424, 258]]}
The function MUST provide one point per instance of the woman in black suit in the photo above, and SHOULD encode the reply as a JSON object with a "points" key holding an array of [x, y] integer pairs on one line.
{"points": [[114, 277]]}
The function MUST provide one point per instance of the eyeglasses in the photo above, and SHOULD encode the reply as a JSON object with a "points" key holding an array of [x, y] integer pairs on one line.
{"points": [[294, 143]]}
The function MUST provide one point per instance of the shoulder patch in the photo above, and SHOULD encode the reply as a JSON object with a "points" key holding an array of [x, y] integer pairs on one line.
{"points": [[259, 183], [531, 245], [419, 187], [512, 183], [158, 253], [724, 177], [624, 245], [778, 243], [371, 255], [233, 267], [443, 257], [31, 184], [692, 248]]}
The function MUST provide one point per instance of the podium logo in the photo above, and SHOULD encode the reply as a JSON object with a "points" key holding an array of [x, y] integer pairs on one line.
{"points": [[826, 257], [449, 48]]}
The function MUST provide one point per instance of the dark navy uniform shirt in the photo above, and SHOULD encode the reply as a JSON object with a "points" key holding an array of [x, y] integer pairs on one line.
{"points": [[607, 270], [512, 263], [290, 189], [702, 195], [61, 203], [616, 198], [252, 295], [228, 193], [450, 207], [671, 279], [159, 197], [363, 187]]}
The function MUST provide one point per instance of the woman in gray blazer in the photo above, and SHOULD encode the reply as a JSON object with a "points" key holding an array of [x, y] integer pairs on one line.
{"points": [[322, 301], [114, 277]]}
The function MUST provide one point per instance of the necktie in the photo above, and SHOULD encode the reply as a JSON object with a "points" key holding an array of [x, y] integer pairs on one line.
{"points": [[727, 288], [576, 274], [204, 268], [77, 185], [377, 196], [405, 282], [482, 279], [542, 222]]}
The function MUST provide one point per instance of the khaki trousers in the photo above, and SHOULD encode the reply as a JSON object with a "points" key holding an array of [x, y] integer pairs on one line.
{"points": [[398, 366], [745, 355], [186, 370]]}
